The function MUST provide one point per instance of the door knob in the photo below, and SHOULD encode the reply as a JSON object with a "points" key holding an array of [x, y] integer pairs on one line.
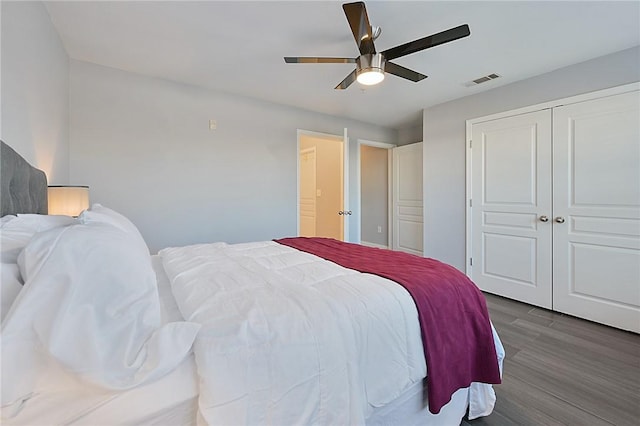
{"points": [[560, 219], [340, 212], [544, 219]]}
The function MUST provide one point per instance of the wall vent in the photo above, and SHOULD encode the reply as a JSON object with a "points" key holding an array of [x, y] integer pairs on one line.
{"points": [[481, 80]]}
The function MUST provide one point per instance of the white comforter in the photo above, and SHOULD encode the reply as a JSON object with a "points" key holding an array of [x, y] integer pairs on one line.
{"points": [[289, 338]]}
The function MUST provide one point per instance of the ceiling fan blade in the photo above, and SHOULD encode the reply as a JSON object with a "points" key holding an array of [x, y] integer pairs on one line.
{"points": [[427, 42], [403, 72], [312, 60], [347, 81], [360, 27]]}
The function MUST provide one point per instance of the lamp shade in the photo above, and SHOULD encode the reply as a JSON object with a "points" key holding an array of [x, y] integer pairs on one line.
{"points": [[68, 200]]}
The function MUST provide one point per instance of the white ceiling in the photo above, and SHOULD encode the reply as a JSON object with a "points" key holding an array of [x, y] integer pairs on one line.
{"points": [[238, 47]]}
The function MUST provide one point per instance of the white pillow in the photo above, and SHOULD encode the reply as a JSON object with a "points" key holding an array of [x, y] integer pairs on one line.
{"points": [[90, 301], [100, 214], [5, 219], [16, 232]]}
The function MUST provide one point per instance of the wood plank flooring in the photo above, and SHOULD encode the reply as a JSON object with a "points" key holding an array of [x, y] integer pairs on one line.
{"points": [[561, 370]]}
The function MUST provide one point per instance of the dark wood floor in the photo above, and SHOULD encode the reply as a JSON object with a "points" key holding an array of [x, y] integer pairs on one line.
{"points": [[561, 370]]}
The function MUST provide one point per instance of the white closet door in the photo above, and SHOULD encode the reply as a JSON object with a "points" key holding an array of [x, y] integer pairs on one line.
{"points": [[407, 199], [511, 213], [597, 210]]}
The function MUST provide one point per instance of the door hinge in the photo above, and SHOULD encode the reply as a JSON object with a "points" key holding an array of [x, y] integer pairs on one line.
{"points": [[470, 202], [470, 143], [471, 261]]}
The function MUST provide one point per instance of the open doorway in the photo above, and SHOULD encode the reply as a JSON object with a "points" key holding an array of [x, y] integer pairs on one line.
{"points": [[374, 175], [308, 191], [321, 185]]}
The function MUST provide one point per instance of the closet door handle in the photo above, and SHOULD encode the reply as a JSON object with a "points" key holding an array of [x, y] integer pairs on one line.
{"points": [[544, 219], [560, 219]]}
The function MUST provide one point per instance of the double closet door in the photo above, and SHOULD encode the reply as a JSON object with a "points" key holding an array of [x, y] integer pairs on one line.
{"points": [[555, 208]]}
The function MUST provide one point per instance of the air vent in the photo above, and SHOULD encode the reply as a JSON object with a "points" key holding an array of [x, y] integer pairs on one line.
{"points": [[481, 80]]}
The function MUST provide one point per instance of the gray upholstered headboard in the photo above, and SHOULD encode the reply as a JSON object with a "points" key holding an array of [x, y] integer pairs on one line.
{"points": [[23, 188]]}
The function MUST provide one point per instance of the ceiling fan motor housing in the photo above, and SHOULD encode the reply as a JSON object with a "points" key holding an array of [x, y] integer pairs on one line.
{"points": [[370, 63]]}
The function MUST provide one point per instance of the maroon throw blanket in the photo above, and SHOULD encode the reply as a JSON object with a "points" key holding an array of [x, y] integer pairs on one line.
{"points": [[456, 333]]}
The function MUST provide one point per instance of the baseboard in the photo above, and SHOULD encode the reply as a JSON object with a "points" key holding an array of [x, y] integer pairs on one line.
{"points": [[368, 244]]}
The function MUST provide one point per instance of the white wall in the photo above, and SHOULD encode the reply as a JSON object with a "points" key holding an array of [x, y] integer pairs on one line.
{"points": [[35, 89], [1, 69], [144, 147], [444, 140]]}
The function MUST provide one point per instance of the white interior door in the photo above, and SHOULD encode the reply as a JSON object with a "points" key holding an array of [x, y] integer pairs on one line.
{"points": [[308, 191], [407, 203], [597, 210], [511, 207]]}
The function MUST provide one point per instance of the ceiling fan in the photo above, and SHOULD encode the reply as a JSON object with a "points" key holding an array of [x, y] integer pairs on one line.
{"points": [[371, 65]]}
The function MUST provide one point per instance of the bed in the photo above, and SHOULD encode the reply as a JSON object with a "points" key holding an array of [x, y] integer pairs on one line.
{"points": [[96, 331]]}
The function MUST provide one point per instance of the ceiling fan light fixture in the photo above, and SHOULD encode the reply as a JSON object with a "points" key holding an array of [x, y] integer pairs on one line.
{"points": [[370, 77], [370, 69]]}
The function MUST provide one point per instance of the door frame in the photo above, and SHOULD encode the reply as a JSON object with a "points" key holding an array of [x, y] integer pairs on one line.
{"points": [[518, 111], [388, 147], [345, 174]]}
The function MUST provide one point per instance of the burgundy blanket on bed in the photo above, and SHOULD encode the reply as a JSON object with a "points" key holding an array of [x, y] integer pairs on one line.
{"points": [[456, 333]]}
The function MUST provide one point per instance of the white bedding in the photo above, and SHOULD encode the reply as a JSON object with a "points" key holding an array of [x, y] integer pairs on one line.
{"points": [[171, 400], [285, 337], [89, 307], [357, 338]]}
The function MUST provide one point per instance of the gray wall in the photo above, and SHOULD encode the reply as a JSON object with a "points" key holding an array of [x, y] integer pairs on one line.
{"points": [[144, 147], [374, 171], [409, 134], [444, 139], [35, 89]]}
